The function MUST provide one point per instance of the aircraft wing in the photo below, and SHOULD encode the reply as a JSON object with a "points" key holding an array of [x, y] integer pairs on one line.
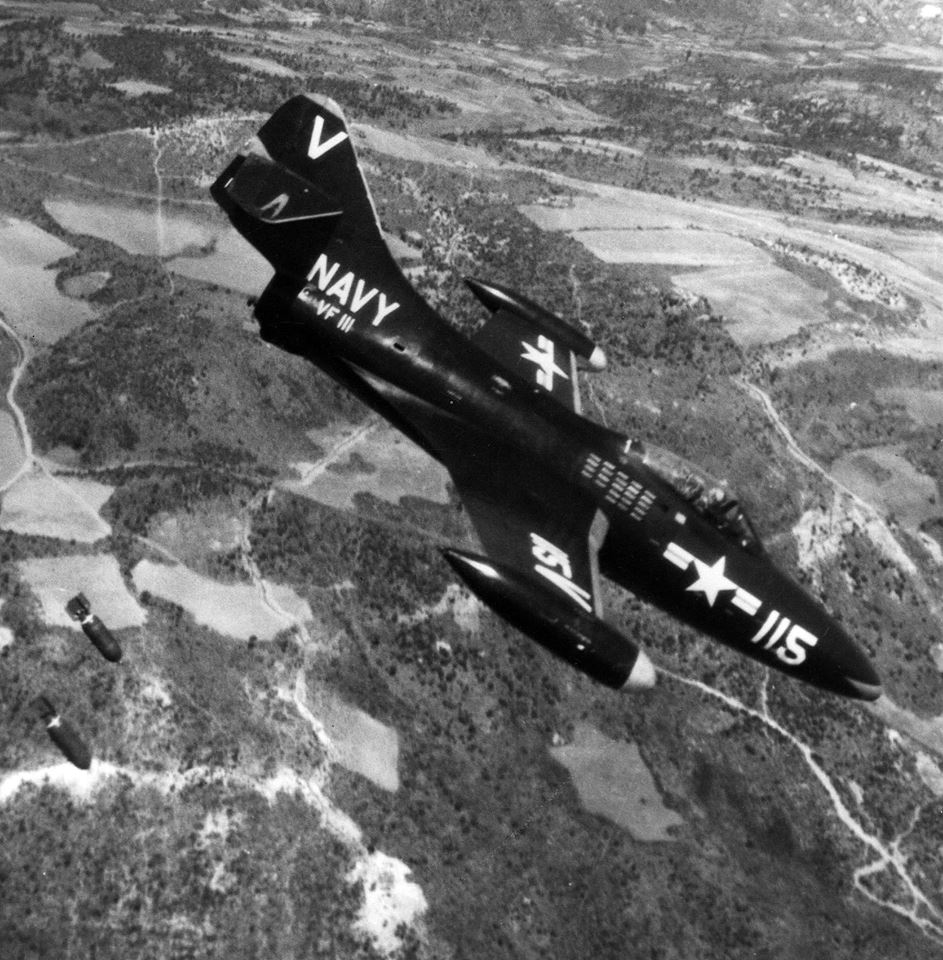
{"points": [[534, 356], [527, 521], [534, 343], [537, 528], [540, 569]]}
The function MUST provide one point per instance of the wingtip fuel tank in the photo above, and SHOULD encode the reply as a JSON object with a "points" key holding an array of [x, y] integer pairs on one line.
{"points": [[495, 297], [582, 640]]}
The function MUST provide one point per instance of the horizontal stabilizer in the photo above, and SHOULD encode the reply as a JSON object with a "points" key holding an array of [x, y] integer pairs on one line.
{"points": [[270, 192]]}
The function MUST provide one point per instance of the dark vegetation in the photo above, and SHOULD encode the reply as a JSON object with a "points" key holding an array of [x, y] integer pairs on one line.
{"points": [[56, 83], [850, 403], [168, 379]]}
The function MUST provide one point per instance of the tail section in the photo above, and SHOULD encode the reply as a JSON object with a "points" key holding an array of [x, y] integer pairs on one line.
{"points": [[297, 186]]}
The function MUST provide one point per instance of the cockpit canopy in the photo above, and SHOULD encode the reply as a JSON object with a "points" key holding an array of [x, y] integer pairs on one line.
{"points": [[712, 498]]}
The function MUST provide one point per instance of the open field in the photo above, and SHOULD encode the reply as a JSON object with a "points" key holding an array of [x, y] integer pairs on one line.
{"points": [[11, 449], [139, 231], [628, 226], [380, 461], [55, 580], [613, 781], [63, 507], [363, 745], [234, 610], [29, 300], [884, 478]]}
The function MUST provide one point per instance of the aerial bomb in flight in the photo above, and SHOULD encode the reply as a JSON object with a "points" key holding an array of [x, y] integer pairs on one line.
{"points": [[80, 609], [64, 735]]}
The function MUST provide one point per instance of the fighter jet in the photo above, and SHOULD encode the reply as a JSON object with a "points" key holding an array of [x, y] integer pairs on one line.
{"points": [[557, 500]]}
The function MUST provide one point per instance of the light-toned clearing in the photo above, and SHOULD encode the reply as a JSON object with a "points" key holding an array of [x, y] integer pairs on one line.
{"points": [[6, 634], [601, 147], [29, 299], [399, 468], [423, 149], [85, 284], [191, 537], [464, 607], [137, 88], [390, 898], [363, 745], [924, 407], [259, 65], [55, 580], [612, 781], [550, 146], [883, 478], [909, 260], [234, 610], [351, 738], [156, 691], [819, 533], [202, 248], [932, 546], [132, 228], [682, 248], [930, 773], [62, 507], [936, 654], [12, 454], [232, 263], [760, 304]]}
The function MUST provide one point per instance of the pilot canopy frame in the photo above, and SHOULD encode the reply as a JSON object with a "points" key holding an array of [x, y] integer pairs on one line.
{"points": [[711, 497]]}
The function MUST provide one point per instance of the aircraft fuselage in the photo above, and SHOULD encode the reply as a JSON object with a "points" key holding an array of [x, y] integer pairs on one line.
{"points": [[657, 545]]}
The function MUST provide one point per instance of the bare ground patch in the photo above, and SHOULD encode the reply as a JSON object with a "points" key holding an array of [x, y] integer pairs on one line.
{"points": [[63, 507], [613, 781], [882, 477], [28, 296], [234, 610]]}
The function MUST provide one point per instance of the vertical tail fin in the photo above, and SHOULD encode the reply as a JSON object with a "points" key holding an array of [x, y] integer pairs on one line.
{"points": [[297, 185]]}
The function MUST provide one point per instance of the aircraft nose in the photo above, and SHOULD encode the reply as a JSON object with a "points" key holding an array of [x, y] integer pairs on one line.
{"points": [[848, 670], [864, 681]]}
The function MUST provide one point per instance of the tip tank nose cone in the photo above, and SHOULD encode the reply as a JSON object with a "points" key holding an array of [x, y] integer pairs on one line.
{"points": [[642, 676]]}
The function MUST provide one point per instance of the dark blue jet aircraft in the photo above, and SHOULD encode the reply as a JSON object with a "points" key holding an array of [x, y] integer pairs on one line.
{"points": [[556, 499]]}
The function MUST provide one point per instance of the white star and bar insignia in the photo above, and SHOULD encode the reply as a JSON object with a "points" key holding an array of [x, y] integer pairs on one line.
{"points": [[712, 579]]}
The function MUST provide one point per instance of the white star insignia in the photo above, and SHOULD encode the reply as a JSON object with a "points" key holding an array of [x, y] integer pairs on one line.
{"points": [[711, 580], [542, 355]]}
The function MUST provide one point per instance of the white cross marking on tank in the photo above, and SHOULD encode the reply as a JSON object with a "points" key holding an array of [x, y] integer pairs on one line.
{"points": [[542, 355]]}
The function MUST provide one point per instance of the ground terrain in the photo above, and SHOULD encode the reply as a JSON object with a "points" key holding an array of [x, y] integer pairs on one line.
{"points": [[317, 744]]}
